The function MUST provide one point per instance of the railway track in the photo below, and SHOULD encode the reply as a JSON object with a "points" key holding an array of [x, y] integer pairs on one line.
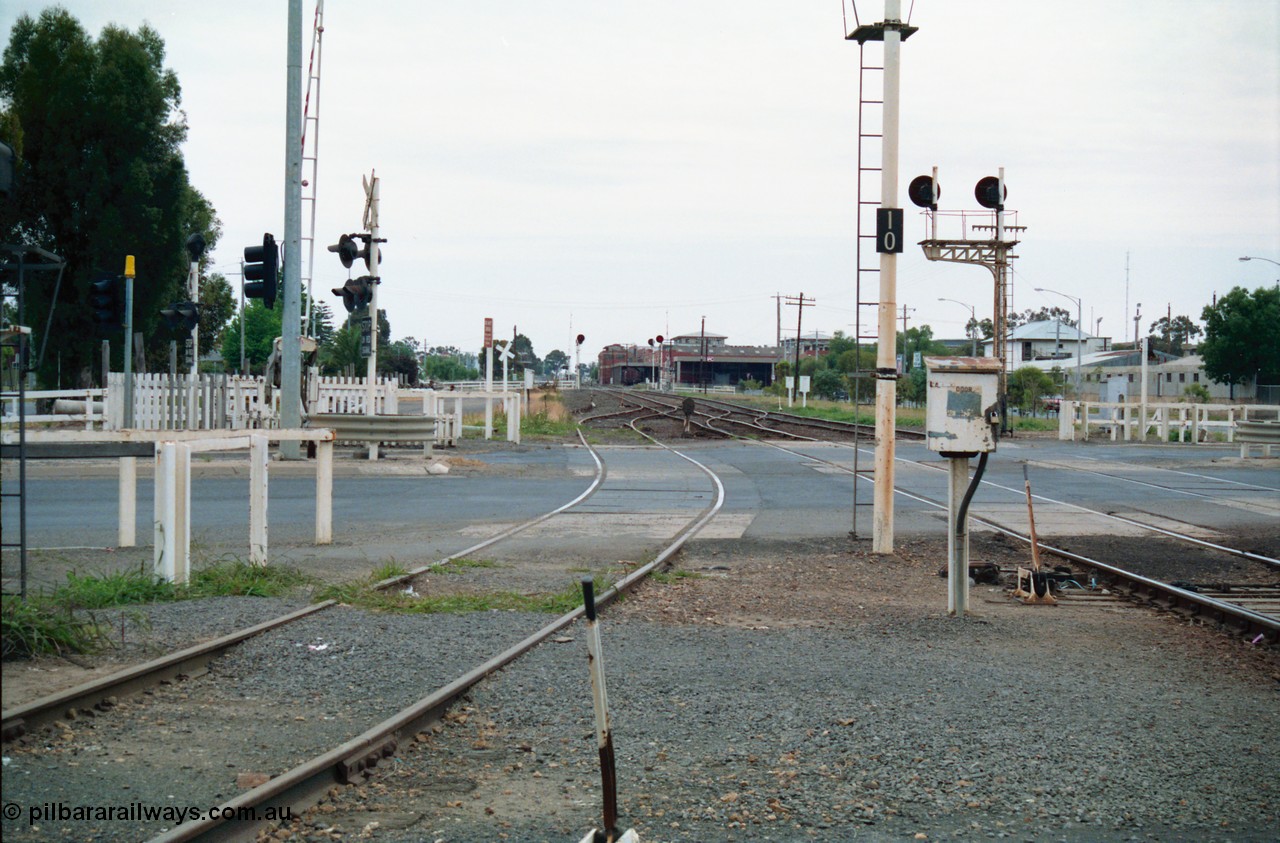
{"points": [[303, 783], [713, 416], [1254, 609]]}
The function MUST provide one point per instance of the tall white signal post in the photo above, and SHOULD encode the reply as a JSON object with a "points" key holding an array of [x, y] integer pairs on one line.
{"points": [[889, 216], [371, 194]]}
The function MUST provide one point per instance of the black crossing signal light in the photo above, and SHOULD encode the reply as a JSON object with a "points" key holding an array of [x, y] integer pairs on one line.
{"points": [[347, 250], [356, 293], [182, 316], [987, 192], [261, 270], [925, 192], [106, 298], [195, 246], [581, 339]]}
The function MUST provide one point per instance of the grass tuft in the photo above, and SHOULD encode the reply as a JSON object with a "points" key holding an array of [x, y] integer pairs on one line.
{"points": [[36, 627], [361, 594], [61, 621]]}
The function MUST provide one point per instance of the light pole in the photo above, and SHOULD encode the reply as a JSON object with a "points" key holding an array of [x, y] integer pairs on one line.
{"points": [[971, 328], [1079, 333], [1268, 260]]}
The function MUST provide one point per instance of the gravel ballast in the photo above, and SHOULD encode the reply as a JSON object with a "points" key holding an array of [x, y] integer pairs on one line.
{"points": [[781, 716]]}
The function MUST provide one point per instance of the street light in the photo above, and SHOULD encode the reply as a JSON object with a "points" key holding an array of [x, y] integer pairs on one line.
{"points": [[972, 328], [1079, 333], [1268, 260]]}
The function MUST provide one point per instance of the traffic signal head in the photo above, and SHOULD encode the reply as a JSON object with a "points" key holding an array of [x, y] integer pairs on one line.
{"points": [[581, 339], [987, 192], [261, 268], [356, 293], [659, 339], [925, 192], [106, 298], [182, 316]]}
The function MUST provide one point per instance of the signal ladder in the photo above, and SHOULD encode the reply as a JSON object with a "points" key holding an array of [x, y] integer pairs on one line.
{"points": [[311, 121], [867, 276]]}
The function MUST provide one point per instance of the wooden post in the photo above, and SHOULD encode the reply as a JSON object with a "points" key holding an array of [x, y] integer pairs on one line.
{"points": [[600, 700]]}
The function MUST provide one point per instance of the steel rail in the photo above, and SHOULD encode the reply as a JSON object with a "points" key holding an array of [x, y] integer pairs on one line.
{"points": [[303, 785], [1201, 604], [191, 661]]}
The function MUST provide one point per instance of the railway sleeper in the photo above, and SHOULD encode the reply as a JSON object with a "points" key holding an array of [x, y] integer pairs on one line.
{"points": [[355, 768]]}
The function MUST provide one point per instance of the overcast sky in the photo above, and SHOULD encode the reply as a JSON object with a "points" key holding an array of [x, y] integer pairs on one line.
{"points": [[623, 170]]}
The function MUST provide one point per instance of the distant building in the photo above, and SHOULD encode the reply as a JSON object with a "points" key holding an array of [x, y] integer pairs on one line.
{"points": [[813, 344], [689, 359], [1047, 340], [1117, 376]]}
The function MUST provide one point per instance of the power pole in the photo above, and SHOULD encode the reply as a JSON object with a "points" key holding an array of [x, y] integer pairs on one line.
{"points": [[800, 302], [777, 300]]}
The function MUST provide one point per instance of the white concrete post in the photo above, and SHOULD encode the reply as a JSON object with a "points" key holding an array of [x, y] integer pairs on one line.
{"points": [[182, 499], [488, 393], [957, 551], [126, 535], [1142, 410], [887, 385], [172, 512], [258, 453], [513, 421], [457, 416], [165, 527], [324, 493]]}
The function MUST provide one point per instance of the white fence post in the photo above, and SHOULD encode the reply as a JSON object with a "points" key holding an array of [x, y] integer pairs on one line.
{"points": [[324, 492], [172, 512], [258, 455], [126, 534]]}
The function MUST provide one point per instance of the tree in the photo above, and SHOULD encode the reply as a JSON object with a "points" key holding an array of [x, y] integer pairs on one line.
{"points": [[398, 358], [341, 355], [217, 307], [1242, 336], [827, 384], [98, 135], [554, 362], [448, 368], [1044, 314], [1172, 335], [1027, 386], [261, 327]]}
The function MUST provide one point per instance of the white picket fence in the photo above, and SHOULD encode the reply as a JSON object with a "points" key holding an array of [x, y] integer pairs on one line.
{"points": [[68, 405], [1190, 423], [231, 402], [351, 395]]}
